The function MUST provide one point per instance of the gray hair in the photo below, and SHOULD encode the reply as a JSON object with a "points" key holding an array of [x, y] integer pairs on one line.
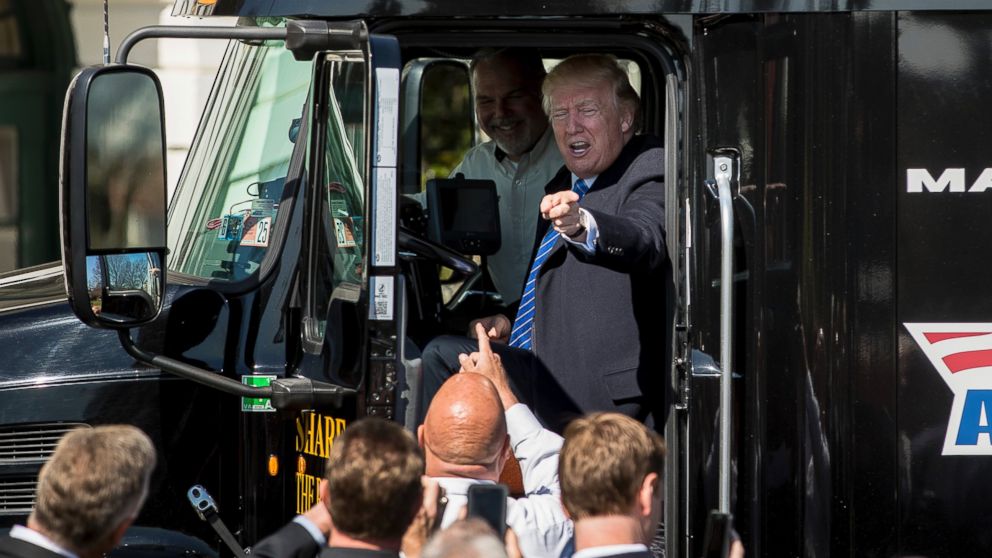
{"points": [[594, 68], [467, 538], [96, 479], [528, 59]]}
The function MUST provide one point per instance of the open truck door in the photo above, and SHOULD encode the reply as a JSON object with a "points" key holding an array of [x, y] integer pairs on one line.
{"points": [[269, 228]]}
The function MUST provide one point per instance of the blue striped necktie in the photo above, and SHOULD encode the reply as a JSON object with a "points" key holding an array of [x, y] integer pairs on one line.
{"points": [[523, 326]]}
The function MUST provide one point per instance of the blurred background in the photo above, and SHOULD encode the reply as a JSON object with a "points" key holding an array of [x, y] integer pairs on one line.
{"points": [[42, 44]]}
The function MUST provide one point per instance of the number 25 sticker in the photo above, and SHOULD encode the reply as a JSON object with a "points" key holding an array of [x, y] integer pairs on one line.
{"points": [[257, 233]]}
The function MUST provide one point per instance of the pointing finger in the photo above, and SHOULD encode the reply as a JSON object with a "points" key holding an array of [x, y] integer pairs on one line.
{"points": [[484, 347]]}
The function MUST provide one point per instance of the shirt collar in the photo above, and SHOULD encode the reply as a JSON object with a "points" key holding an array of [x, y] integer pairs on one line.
{"points": [[459, 485], [609, 550], [37, 539], [589, 181]]}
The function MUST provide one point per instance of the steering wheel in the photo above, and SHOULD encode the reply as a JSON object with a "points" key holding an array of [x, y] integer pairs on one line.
{"points": [[435, 252]]}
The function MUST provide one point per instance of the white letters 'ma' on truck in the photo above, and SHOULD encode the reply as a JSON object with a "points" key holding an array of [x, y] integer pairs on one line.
{"points": [[950, 180]]}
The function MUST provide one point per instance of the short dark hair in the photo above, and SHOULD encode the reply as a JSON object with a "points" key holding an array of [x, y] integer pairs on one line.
{"points": [[373, 475], [604, 460], [528, 59]]}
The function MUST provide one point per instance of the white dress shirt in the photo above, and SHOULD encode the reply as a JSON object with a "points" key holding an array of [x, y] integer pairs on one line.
{"points": [[520, 186], [610, 550], [592, 230], [537, 519]]}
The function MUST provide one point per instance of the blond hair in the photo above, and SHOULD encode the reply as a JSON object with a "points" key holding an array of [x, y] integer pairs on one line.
{"points": [[96, 479], [589, 69], [373, 475], [603, 463]]}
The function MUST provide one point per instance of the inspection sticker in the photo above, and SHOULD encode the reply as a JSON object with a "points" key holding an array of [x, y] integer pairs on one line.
{"points": [[257, 232], [343, 229], [382, 298], [257, 404], [230, 227]]}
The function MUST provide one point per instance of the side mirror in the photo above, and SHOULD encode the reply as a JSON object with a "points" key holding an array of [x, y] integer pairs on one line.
{"points": [[112, 195]]}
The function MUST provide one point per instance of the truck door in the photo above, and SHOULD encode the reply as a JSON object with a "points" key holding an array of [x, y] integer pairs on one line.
{"points": [[744, 77], [349, 289]]}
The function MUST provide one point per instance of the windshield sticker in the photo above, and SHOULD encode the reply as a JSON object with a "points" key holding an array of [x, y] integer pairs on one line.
{"points": [[384, 236], [387, 87], [262, 207], [343, 229], [257, 232], [339, 207], [382, 299], [230, 227], [257, 404]]}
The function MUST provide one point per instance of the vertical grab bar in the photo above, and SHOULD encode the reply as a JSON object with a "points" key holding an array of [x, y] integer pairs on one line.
{"points": [[723, 166]]}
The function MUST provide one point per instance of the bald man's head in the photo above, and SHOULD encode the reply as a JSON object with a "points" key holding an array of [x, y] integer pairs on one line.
{"points": [[465, 427]]}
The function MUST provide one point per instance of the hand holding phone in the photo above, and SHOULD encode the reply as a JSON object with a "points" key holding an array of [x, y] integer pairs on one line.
{"points": [[488, 502]]}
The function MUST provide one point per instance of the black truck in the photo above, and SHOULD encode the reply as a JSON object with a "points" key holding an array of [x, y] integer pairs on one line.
{"points": [[830, 327]]}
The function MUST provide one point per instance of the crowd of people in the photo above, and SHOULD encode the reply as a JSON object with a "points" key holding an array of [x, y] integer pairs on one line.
{"points": [[573, 403], [595, 492]]}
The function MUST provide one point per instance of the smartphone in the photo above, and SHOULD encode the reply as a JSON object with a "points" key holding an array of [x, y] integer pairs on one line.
{"points": [[716, 540], [488, 502]]}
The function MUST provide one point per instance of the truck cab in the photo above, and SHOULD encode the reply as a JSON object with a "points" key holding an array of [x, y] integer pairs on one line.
{"points": [[815, 159]]}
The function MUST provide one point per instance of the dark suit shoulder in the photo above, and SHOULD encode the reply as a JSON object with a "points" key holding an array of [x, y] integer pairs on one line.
{"points": [[646, 155], [16, 548], [641, 554], [291, 541]]}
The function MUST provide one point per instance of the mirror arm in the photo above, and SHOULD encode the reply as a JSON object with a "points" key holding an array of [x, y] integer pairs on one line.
{"points": [[190, 372], [292, 394], [184, 32]]}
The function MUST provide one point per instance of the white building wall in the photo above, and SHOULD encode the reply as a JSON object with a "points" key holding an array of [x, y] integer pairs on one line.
{"points": [[185, 67]]}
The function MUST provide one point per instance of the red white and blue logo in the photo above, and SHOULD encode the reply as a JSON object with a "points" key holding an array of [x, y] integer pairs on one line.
{"points": [[962, 354]]}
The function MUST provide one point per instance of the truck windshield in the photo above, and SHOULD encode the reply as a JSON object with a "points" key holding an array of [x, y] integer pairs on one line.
{"points": [[227, 199]]}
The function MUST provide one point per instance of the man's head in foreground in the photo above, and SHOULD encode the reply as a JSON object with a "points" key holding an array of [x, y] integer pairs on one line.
{"points": [[92, 488], [612, 467], [464, 433], [373, 484]]}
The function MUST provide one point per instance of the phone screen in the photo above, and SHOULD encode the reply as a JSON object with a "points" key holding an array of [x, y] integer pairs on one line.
{"points": [[488, 502], [716, 541]]}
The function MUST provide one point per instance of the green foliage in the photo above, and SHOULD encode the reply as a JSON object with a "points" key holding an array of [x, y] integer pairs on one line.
{"points": [[446, 123]]}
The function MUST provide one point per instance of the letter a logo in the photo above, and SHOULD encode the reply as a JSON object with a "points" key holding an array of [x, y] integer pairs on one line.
{"points": [[962, 355]]}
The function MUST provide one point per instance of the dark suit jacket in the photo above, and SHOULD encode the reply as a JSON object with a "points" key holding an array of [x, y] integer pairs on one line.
{"points": [[632, 555], [600, 326], [293, 541], [16, 548]]}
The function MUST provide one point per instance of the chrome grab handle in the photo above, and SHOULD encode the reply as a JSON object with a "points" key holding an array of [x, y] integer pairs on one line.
{"points": [[723, 166]]}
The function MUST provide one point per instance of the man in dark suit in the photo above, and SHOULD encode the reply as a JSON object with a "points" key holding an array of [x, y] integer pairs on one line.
{"points": [[593, 308], [89, 493], [370, 495]]}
